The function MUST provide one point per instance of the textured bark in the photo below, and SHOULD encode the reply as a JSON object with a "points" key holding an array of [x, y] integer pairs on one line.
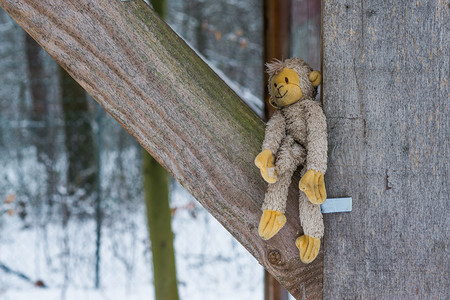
{"points": [[385, 69], [178, 109]]}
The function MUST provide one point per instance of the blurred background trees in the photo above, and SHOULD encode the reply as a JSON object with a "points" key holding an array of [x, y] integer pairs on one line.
{"points": [[72, 208]]}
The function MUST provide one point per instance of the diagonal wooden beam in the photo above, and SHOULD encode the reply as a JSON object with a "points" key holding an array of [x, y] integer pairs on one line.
{"points": [[178, 109]]}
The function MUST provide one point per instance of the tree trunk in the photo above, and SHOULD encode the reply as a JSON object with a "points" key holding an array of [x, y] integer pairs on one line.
{"points": [[180, 111], [81, 172], [156, 190], [98, 198], [156, 187], [386, 69], [43, 132], [38, 86]]}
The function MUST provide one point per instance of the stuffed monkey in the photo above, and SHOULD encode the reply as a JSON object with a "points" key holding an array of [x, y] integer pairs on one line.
{"points": [[296, 135]]}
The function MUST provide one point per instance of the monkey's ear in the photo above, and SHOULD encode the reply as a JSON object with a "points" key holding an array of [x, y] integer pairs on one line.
{"points": [[315, 78], [272, 102]]}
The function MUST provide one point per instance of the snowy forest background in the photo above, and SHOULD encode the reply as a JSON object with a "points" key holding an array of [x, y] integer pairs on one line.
{"points": [[72, 214]]}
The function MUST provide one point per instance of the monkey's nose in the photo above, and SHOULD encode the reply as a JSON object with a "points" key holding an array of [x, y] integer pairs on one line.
{"points": [[279, 90], [279, 87]]}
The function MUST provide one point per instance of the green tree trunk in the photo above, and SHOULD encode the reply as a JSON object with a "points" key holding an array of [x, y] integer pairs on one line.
{"points": [[156, 188]]}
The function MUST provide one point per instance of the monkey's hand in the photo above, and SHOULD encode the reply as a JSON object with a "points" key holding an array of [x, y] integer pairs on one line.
{"points": [[265, 162], [271, 222], [309, 248], [313, 185], [315, 78]]}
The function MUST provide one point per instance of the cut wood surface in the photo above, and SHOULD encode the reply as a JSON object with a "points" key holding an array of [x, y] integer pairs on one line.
{"points": [[179, 110], [386, 97]]}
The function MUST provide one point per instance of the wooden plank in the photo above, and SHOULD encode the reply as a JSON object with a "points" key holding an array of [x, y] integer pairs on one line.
{"points": [[178, 109], [385, 69]]}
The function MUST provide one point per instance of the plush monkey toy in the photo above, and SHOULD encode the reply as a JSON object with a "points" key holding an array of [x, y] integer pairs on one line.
{"points": [[296, 135]]}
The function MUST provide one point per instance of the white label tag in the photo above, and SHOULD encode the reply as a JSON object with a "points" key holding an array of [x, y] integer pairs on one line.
{"points": [[334, 205]]}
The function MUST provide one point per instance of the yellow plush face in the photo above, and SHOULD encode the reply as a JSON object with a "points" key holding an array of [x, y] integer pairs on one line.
{"points": [[286, 87]]}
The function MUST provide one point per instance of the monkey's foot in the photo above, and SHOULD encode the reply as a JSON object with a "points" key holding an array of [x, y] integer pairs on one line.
{"points": [[265, 162], [313, 185], [309, 248], [271, 222]]}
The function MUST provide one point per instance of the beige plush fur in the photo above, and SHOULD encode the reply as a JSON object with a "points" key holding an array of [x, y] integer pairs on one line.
{"points": [[297, 136]]}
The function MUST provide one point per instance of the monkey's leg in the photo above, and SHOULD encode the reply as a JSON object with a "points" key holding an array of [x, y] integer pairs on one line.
{"points": [[289, 157], [274, 206], [312, 223]]}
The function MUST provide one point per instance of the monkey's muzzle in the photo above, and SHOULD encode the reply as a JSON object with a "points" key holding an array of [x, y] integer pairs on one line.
{"points": [[281, 92]]}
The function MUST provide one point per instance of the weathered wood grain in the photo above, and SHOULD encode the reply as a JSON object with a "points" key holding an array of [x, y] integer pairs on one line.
{"points": [[182, 113], [386, 96]]}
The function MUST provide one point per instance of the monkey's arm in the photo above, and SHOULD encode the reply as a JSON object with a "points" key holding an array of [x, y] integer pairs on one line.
{"points": [[271, 220], [312, 183], [275, 132]]}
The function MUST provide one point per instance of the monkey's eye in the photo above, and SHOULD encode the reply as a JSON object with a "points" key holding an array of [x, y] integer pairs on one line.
{"points": [[275, 85], [286, 79]]}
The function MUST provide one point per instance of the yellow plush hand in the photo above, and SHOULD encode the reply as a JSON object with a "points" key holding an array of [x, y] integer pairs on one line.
{"points": [[315, 78], [265, 162], [271, 222], [309, 248], [313, 185]]}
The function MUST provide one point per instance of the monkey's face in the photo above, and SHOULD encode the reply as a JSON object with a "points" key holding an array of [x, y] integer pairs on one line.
{"points": [[286, 87]]}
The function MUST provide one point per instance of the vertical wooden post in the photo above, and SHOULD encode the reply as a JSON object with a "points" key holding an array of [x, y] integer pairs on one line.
{"points": [[276, 45], [385, 92], [277, 21]]}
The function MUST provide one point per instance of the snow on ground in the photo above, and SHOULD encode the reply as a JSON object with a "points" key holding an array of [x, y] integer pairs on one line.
{"points": [[209, 256], [210, 263]]}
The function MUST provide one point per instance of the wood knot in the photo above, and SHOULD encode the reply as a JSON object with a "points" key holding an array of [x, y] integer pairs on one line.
{"points": [[274, 257]]}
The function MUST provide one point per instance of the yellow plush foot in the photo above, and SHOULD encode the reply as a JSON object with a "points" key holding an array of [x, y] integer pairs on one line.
{"points": [[313, 185], [271, 222], [265, 162], [309, 248]]}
